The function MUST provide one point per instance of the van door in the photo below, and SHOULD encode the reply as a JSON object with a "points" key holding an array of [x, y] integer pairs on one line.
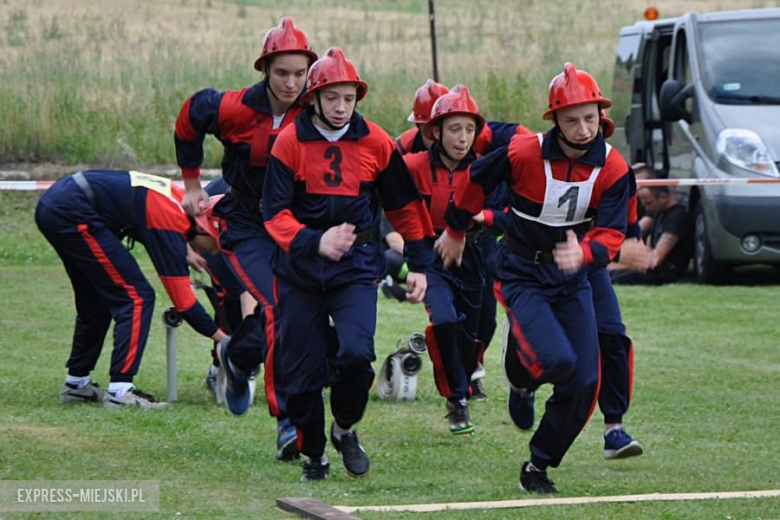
{"points": [[626, 103], [655, 66], [680, 137]]}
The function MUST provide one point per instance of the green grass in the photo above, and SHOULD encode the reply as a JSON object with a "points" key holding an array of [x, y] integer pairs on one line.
{"points": [[705, 406]]}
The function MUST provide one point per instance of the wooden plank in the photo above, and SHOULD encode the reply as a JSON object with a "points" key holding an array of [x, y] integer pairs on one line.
{"points": [[311, 508]]}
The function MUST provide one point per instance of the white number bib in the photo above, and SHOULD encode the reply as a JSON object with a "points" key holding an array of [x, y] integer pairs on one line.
{"points": [[151, 182], [565, 203]]}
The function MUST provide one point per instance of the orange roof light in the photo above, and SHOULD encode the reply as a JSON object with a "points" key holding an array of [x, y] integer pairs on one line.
{"points": [[651, 13]]}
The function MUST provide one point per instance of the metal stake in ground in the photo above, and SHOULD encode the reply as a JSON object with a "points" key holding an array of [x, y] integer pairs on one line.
{"points": [[432, 16], [172, 320]]}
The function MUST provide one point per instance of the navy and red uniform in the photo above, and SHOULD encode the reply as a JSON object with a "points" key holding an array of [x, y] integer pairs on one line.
{"points": [[493, 135], [551, 313], [243, 122], [615, 347], [226, 287], [85, 225], [453, 298], [314, 184]]}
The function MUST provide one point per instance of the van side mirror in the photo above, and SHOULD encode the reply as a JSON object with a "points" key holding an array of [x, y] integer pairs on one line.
{"points": [[672, 101]]}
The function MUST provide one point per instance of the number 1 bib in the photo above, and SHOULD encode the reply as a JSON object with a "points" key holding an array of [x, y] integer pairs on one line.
{"points": [[565, 203]]}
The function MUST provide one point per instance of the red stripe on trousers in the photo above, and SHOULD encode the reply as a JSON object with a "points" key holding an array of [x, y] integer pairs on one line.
{"points": [[270, 389], [138, 303], [269, 318], [630, 369], [439, 375], [598, 389], [533, 366]]}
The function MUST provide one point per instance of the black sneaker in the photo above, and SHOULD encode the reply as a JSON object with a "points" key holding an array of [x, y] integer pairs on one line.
{"points": [[459, 419], [536, 481], [520, 404], [478, 391], [286, 440], [315, 470], [352, 453]]}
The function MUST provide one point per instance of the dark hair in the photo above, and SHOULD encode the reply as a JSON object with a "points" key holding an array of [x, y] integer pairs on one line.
{"points": [[643, 167], [656, 191]]}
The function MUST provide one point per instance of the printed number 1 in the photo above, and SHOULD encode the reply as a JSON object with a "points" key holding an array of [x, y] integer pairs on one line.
{"points": [[570, 196], [333, 178]]}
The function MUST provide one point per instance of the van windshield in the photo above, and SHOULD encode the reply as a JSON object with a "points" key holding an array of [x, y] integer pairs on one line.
{"points": [[740, 61]]}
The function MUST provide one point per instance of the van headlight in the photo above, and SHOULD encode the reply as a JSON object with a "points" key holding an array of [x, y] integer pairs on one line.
{"points": [[745, 149]]}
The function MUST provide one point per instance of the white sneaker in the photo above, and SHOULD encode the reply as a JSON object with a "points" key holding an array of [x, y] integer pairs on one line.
{"points": [[91, 393], [133, 397]]}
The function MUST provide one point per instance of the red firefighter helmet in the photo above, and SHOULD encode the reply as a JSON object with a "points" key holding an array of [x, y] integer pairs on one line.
{"points": [[457, 102], [284, 38], [207, 220], [333, 69], [424, 99], [607, 125], [573, 87]]}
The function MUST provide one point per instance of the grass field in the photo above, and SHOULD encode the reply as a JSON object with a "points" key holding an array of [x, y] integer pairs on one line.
{"points": [[101, 81], [706, 407]]}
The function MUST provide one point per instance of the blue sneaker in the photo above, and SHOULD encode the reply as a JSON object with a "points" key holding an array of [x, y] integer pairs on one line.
{"points": [[237, 393], [620, 445], [521, 408], [286, 440]]}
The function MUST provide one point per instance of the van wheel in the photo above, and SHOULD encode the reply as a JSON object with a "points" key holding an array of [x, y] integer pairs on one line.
{"points": [[706, 269]]}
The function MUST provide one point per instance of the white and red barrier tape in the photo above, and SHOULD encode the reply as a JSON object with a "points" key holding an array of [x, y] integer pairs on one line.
{"points": [[44, 185], [703, 182]]}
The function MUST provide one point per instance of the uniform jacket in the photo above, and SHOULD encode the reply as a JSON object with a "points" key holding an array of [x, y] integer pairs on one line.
{"points": [[313, 184], [243, 122], [145, 208], [521, 166]]}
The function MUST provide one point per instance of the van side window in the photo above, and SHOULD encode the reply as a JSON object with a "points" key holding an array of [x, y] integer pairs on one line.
{"points": [[623, 77]]}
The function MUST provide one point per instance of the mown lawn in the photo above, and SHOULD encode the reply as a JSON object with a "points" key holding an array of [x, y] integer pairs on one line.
{"points": [[705, 406]]}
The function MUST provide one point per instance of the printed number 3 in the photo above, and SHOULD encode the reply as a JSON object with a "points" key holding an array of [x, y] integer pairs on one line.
{"points": [[333, 178], [570, 196]]}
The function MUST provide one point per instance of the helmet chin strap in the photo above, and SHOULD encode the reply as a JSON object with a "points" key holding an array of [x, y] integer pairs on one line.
{"points": [[321, 116], [576, 146], [441, 144], [268, 83]]}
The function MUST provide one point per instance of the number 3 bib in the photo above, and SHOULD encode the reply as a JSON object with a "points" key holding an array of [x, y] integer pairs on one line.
{"points": [[565, 203], [332, 168]]}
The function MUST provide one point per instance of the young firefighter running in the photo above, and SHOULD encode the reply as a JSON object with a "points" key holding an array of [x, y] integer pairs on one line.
{"points": [[492, 134], [557, 183], [85, 216], [453, 298], [247, 122], [321, 189], [615, 347]]}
